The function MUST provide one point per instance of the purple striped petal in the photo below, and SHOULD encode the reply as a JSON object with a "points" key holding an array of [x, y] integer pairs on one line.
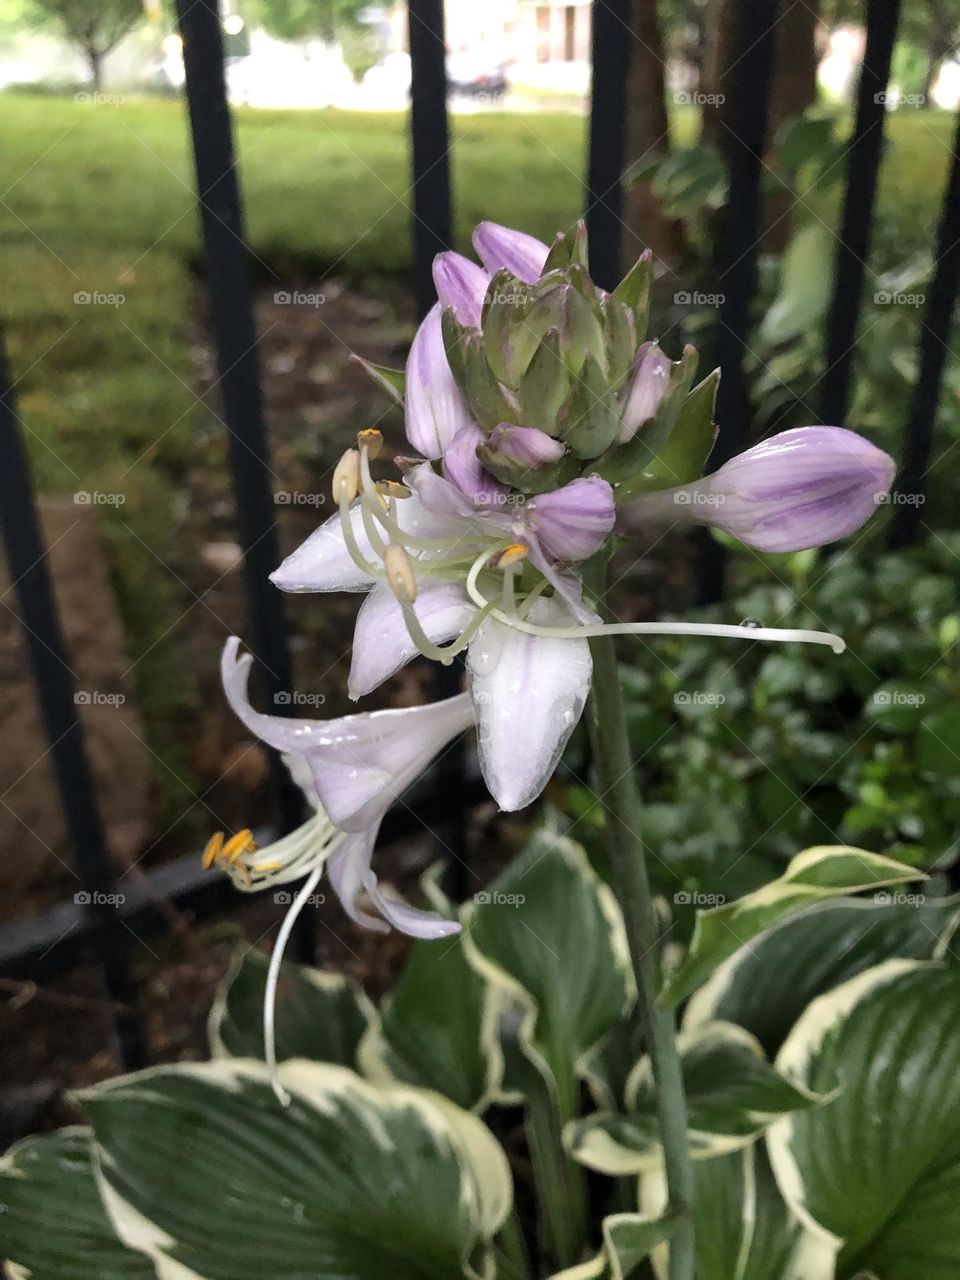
{"points": [[462, 285], [435, 409], [799, 489], [462, 467], [526, 446], [572, 522], [501, 247], [651, 381], [528, 693]]}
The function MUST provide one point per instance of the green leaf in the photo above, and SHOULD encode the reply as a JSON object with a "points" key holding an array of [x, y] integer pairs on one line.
{"points": [[349, 1181], [811, 876], [320, 1015], [550, 933], [437, 1028], [878, 1167], [766, 985], [628, 1238], [684, 454], [733, 1094], [53, 1225], [743, 1228], [938, 743], [804, 285], [392, 381]]}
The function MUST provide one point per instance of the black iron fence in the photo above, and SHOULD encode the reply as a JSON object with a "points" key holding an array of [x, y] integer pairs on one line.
{"points": [[99, 926]]}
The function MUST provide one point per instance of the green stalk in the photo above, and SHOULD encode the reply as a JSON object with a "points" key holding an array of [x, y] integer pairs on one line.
{"points": [[513, 1262], [560, 1183], [621, 800]]}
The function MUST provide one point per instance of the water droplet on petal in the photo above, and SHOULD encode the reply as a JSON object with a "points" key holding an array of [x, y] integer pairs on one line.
{"points": [[752, 623]]}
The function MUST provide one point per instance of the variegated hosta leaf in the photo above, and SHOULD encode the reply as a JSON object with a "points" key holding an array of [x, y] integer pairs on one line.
{"points": [[878, 1167], [550, 933], [320, 1016], [437, 1027], [819, 873], [743, 1228], [628, 1238], [351, 1181], [767, 984], [53, 1225], [733, 1093]]}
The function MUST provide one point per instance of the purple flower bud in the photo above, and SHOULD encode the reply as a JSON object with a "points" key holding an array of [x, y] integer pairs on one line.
{"points": [[651, 381], [463, 468], [435, 409], [799, 489], [525, 446], [500, 247], [460, 284], [572, 523]]}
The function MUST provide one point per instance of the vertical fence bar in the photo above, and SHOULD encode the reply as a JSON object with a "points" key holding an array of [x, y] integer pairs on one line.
{"points": [[863, 168], [432, 233], [430, 139], [26, 558], [227, 271], [934, 337], [739, 246], [610, 48]]}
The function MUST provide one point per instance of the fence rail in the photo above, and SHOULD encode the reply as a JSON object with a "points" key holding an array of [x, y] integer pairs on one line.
{"points": [[74, 932]]}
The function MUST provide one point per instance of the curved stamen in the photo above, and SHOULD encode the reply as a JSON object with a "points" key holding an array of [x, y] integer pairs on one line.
{"points": [[836, 643], [350, 541], [443, 653], [273, 977]]}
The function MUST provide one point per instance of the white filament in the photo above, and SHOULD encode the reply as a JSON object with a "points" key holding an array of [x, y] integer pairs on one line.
{"points": [[273, 977]]}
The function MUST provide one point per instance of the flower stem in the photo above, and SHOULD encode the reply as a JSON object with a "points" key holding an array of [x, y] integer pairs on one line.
{"points": [[621, 801]]}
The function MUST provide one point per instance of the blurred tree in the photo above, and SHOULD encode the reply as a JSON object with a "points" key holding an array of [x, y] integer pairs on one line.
{"points": [[930, 25], [95, 26], [298, 20]]}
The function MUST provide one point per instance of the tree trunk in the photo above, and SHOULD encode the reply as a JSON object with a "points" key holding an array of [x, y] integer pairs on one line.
{"points": [[648, 133], [95, 58], [794, 89]]}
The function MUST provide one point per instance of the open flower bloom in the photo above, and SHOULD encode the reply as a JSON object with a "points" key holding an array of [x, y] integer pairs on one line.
{"points": [[351, 771]]}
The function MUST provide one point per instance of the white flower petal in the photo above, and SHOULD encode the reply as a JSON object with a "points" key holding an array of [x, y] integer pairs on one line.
{"points": [[346, 872], [528, 693], [409, 920], [381, 641], [323, 563]]}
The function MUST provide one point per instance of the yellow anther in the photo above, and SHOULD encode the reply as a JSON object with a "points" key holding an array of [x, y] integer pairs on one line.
{"points": [[372, 440], [400, 574], [346, 477], [238, 845], [264, 868], [393, 489], [241, 871], [511, 555], [212, 850]]}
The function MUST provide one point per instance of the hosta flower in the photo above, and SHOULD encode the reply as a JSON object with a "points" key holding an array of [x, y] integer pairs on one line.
{"points": [[533, 398], [802, 488]]}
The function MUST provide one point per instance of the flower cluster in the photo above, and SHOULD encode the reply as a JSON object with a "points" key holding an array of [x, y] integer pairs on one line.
{"points": [[544, 423]]}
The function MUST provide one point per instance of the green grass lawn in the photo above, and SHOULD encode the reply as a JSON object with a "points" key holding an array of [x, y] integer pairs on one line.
{"points": [[100, 199]]}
